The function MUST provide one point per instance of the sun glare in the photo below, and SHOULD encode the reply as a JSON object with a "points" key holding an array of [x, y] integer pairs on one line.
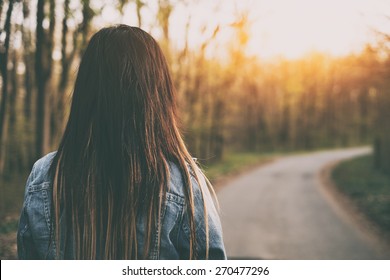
{"points": [[290, 28], [294, 28]]}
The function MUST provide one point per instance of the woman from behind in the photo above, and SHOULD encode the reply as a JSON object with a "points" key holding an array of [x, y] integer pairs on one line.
{"points": [[122, 184]]}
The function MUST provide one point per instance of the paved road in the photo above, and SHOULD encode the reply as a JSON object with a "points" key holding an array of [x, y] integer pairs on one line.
{"points": [[280, 211]]}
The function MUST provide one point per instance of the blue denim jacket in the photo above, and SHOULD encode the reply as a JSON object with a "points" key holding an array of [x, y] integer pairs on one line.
{"points": [[33, 236]]}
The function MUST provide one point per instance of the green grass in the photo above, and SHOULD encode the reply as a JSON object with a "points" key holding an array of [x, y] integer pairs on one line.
{"points": [[369, 189], [234, 163]]}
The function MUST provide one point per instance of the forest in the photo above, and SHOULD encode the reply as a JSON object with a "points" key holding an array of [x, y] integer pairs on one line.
{"points": [[239, 103]]}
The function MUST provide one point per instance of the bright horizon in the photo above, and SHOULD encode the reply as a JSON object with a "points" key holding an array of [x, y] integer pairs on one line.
{"points": [[288, 28]]}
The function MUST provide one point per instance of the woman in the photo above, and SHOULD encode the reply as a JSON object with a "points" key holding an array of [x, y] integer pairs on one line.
{"points": [[122, 184]]}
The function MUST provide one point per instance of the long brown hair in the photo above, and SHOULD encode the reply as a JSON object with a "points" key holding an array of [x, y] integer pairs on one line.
{"points": [[112, 162]]}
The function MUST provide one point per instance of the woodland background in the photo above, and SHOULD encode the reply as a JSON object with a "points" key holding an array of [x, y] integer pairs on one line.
{"points": [[239, 103]]}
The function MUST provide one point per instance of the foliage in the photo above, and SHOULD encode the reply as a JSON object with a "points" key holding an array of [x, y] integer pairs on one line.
{"points": [[236, 104], [234, 111]]}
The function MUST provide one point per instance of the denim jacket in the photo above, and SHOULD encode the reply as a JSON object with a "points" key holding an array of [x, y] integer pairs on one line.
{"points": [[33, 237]]}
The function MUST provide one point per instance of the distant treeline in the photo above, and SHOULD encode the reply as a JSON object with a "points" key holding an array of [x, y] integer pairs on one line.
{"points": [[241, 103]]}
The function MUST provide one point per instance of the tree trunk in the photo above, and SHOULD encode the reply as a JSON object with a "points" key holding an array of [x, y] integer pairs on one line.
{"points": [[1, 8], [42, 141], [13, 147], [85, 25], [4, 74], [64, 43], [139, 5]]}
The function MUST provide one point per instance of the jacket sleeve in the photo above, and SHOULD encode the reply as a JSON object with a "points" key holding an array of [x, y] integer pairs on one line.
{"points": [[25, 243], [216, 249]]}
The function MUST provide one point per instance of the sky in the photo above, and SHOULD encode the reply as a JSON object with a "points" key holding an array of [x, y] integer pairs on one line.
{"points": [[289, 28]]}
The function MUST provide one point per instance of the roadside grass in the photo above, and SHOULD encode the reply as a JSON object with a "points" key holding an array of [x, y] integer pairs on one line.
{"points": [[11, 200], [367, 188], [235, 163], [8, 229]]}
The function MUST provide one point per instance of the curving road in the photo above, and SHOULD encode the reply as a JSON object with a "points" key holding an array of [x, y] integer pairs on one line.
{"points": [[281, 211]]}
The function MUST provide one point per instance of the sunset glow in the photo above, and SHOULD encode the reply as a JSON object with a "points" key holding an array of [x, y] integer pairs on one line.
{"points": [[293, 28], [289, 28]]}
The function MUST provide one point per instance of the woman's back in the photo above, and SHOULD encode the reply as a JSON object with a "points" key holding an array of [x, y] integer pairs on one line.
{"points": [[122, 184], [35, 223]]}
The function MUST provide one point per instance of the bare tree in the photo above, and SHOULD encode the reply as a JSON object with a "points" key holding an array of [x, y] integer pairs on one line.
{"points": [[139, 5], [43, 66], [85, 26], [4, 51], [165, 9]]}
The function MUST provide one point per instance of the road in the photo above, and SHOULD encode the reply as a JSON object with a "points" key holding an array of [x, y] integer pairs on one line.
{"points": [[281, 211]]}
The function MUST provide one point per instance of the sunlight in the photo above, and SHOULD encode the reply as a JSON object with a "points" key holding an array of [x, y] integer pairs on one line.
{"points": [[288, 28], [294, 28]]}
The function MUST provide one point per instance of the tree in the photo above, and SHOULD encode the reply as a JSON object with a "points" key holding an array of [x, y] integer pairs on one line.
{"points": [[4, 51], [43, 70]]}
